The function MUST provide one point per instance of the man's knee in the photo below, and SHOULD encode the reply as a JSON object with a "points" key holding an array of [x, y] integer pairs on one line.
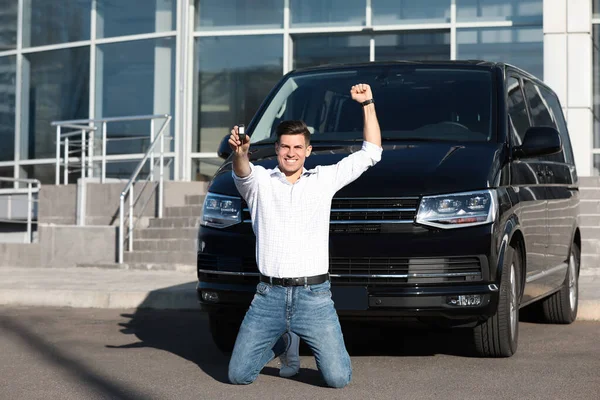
{"points": [[240, 376], [338, 379]]}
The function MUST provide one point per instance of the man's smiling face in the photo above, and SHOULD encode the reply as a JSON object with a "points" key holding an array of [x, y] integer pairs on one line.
{"points": [[292, 150]]}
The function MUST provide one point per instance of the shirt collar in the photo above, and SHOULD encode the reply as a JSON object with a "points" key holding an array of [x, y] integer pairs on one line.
{"points": [[277, 171]]}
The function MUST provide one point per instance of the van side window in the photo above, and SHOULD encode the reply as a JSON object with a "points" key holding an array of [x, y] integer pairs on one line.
{"points": [[559, 119], [540, 111], [543, 115], [517, 111]]}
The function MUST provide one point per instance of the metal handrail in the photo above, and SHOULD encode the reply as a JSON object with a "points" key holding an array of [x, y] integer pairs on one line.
{"points": [[30, 200], [86, 128], [129, 189]]}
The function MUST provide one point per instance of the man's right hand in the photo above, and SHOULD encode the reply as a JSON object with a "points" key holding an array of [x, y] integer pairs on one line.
{"points": [[236, 144]]}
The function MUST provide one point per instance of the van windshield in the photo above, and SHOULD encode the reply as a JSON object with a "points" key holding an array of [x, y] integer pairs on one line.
{"points": [[412, 103]]}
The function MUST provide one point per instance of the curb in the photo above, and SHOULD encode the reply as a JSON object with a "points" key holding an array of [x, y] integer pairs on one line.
{"points": [[164, 299], [588, 310]]}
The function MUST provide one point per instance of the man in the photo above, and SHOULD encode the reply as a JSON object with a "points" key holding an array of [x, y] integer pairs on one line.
{"points": [[290, 209]]}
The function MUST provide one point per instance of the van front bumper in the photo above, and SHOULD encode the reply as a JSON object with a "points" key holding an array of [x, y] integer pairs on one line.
{"points": [[362, 302], [417, 273]]}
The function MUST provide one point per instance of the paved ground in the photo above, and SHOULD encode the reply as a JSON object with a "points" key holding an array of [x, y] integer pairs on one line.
{"points": [[74, 353]]}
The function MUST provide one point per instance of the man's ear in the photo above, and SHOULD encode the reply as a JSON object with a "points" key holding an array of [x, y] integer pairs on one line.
{"points": [[276, 147], [308, 150]]}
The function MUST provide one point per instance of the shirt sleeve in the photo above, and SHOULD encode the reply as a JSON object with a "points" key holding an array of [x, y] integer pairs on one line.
{"points": [[248, 185], [351, 167]]}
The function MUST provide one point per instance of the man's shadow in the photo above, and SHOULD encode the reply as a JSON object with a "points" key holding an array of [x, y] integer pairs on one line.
{"points": [[187, 334]]}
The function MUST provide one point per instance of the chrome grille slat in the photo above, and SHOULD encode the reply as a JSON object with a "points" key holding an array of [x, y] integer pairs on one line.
{"points": [[367, 271]]}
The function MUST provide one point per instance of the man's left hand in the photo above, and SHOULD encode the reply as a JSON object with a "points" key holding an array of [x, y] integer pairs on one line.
{"points": [[361, 92]]}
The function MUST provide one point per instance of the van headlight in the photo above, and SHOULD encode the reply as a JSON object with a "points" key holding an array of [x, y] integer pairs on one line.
{"points": [[458, 210], [220, 211]]}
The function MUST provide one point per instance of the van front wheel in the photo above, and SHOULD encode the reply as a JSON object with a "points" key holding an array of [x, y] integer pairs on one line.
{"points": [[498, 335]]}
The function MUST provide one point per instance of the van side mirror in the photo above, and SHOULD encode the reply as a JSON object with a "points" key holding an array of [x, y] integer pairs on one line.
{"points": [[539, 141], [224, 150]]}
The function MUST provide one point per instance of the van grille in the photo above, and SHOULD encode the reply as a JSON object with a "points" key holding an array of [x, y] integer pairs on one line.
{"points": [[362, 270], [365, 215], [394, 270]]}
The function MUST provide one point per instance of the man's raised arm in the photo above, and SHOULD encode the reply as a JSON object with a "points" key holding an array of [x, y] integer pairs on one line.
{"points": [[371, 131]]}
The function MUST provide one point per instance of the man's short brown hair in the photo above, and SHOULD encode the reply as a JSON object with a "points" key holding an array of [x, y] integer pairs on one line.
{"points": [[293, 127]]}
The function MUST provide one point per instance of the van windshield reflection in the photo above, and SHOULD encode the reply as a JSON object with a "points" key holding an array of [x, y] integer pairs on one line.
{"points": [[412, 103]]}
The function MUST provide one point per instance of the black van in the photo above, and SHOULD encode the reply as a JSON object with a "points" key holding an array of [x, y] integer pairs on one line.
{"points": [[471, 214]]}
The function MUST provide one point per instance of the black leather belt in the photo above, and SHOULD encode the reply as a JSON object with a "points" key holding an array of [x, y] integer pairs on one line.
{"points": [[300, 281]]}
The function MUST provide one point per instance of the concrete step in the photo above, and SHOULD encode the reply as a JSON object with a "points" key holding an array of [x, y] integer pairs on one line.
{"points": [[587, 206], [590, 246], [589, 181], [189, 268], [166, 233], [176, 222], [590, 220], [184, 211], [590, 232], [161, 257], [165, 244], [590, 262], [194, 200], [589, 193]]}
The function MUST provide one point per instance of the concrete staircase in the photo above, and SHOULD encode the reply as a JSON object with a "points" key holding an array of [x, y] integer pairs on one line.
{"points": [[590, 225], [168, 243]]}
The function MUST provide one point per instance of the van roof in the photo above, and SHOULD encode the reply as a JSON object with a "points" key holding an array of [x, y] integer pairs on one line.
{"points": [[470, 63]]}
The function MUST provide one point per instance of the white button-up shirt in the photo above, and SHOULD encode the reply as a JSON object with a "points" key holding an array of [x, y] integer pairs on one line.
{"points": [[291, 221]]}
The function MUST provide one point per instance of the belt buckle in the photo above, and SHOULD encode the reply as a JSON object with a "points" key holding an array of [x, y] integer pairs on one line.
{"points": [[288, 281]]}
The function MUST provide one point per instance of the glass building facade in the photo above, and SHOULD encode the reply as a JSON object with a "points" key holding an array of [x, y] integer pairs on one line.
{"points": [[210, 63]]}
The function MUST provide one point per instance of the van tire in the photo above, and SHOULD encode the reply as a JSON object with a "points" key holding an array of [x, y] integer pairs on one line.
{"points": [[224, 331], [498, 336], [560, 307]]}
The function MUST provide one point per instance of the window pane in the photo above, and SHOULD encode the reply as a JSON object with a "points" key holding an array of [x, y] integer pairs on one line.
{"points": [[316, 50], [327, 12], [57, 89], [410, 11], [6, 172], [540, 114], [558, 117], [499, 10], [521, 47], [8, 80], [238, 14], [233, 76], [204, 169], [413, 46], [517, 111], [596, 170], [45, 173], [55, 21], [596, 8], [135, 78], [8, 24], [130, 17]]}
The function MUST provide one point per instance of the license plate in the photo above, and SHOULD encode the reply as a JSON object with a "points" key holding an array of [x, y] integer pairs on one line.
{"points": [[350, 298]]}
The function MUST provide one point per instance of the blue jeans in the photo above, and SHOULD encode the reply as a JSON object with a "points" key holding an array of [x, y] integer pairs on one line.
{"points": [[307, 311]]}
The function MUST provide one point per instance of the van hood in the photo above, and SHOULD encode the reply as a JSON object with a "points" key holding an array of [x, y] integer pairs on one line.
{"points": [[405, 169]]}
